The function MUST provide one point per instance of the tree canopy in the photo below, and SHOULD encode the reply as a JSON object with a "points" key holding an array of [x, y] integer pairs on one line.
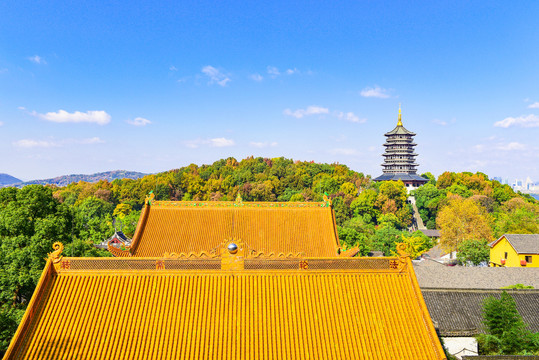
{"points": [[505, 331]]}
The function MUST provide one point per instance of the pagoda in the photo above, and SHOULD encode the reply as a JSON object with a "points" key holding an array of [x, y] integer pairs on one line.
{"points": [[399, 157]]}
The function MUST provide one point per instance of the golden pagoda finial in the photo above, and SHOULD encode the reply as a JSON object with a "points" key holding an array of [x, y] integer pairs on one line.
{"points": [[399, 123]]}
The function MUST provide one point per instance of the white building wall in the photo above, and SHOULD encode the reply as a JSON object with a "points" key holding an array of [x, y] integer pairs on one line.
{"points": [[460, 346]]}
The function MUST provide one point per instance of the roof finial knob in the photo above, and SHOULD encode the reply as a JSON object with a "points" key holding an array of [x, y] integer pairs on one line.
{"points": [[399, 123], [232, 248]]}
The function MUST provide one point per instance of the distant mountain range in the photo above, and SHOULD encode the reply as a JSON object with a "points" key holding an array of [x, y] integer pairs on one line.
{"points": [[8, 180]]}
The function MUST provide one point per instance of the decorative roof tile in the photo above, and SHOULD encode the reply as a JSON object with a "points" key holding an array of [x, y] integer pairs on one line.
{"points": [[155, 308], [183, 227]]}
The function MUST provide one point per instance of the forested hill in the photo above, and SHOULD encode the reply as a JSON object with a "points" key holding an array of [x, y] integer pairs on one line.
{"points": [[6, 179], [68, 179]]}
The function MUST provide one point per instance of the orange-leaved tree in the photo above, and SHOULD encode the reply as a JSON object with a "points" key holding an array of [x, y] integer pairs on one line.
{"points": [[462, 219]]}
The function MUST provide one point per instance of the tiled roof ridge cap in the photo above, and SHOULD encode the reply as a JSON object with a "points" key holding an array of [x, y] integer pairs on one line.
{"points": [[521, 234], [220, 204], [378, 265]]}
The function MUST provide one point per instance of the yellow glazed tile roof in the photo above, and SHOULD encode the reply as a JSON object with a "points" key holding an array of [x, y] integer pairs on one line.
{"points": [[282, 229], [155, 308]]}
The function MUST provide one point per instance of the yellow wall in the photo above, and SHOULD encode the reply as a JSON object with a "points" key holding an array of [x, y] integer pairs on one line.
{"points": [[497, 253]]}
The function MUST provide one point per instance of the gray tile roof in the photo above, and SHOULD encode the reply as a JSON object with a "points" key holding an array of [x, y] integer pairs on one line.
{"points": [[459, 312], [500, 357], [523, 243], [431, 232], [431, 274], [399, 130], [401, 176]]}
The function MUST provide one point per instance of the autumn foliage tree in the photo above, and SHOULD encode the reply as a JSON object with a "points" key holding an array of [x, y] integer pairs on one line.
{"points": [[460, 220]]}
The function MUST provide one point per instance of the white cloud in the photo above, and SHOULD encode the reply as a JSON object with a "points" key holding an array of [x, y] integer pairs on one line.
{"points": [[1, 123], [512, 146], [535, 105], [479, 147], [31, 143], [349, 116], [524, 121], [215, 142], [439, 122], [341, 151], [139, 121], [21, 108], [292, 71], [62, 116], [216, 76], [311, 110], [318, 110], [273, 71], [264, 144], [37, 59], [375, 92], [221, 142], [256, 77], [173, 68], [89, 141], [193, 144]]}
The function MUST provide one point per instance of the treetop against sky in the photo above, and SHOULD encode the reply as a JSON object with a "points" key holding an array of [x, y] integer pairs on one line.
{"points": [[89, 87]]}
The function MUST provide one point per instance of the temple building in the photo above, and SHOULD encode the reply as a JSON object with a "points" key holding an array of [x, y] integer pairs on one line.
{"points": [[197, 228], [399, 157], [228, 280]]}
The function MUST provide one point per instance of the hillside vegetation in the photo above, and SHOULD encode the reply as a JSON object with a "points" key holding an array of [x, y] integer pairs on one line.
{"points": [[372, 216]]}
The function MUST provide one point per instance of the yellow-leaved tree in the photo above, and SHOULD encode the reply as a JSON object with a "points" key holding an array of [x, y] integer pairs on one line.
{"points": [[462, 219]]}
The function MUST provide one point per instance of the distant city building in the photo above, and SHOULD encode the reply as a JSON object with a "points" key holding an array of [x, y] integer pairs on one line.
{"points": [[399, 157], [527, 186]]}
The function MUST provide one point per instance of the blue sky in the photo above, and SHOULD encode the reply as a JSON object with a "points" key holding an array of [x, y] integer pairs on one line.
{"points": [[88, 87]]}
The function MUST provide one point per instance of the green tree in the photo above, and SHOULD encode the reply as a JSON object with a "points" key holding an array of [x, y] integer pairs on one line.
{"points": [[29, 225], [31, 219], [506, 332], [385, 239], [473, 251], [417, 243], [350, 238], [122, 210], [430, 177], [518, 286], [427, 199], [391, 199], [363, 206], [93, 220]]}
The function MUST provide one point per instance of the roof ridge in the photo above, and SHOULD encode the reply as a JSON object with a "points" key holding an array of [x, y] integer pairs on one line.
{"points": [[253, 204], [477, 290]]}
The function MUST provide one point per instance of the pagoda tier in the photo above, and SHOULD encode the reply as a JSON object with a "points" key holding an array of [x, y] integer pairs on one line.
{"points": [[399, 157], [399, 143]]}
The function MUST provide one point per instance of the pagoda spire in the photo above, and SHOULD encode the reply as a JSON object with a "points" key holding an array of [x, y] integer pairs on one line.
{"points": [[399, 123]]}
